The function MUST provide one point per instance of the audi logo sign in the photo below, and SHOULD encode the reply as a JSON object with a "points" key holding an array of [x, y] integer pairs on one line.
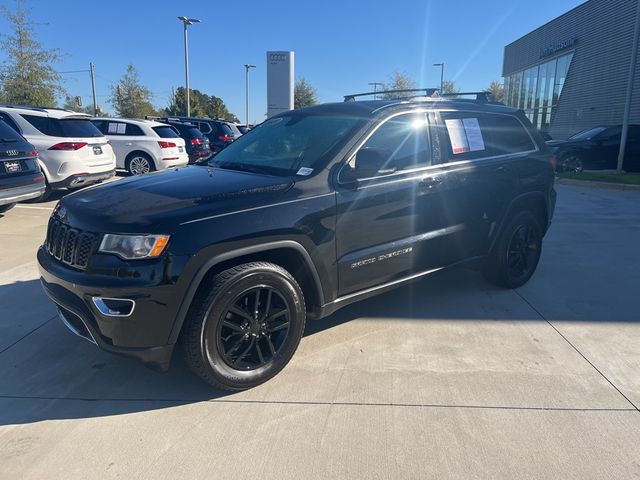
{"points": [[11, 153], [277, 57]]}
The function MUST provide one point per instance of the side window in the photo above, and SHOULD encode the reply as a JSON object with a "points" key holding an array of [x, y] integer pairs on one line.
{"points": [[116, 128], [506, 134], [204, 127], [9, 121], [401, 143], [133, 130]]}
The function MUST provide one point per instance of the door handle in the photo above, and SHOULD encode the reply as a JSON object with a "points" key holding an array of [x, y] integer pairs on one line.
{"points": [[430, 182], [128, 144]]}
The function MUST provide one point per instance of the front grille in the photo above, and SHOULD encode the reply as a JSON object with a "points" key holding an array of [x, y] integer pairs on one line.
{"points": [[69, 245]]}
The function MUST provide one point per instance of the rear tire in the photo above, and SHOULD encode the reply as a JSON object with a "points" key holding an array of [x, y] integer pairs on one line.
{"points": [[516, 255], [139, 163], [244, 325]]}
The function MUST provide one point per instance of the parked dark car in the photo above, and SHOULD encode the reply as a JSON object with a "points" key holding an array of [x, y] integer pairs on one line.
{"points": [[597, 148], [196, 143], [219, 132], [315, 209], [20, 175]]}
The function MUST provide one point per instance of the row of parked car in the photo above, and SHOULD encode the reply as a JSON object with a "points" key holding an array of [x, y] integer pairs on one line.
{"points": [[47, 149]]}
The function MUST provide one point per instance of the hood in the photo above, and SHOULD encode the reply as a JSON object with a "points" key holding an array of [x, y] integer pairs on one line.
{"points": [[160, 201]]}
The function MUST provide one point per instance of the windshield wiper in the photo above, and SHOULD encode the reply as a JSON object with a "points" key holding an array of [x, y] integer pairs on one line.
{"points": [[7, 140], [240, 167]]}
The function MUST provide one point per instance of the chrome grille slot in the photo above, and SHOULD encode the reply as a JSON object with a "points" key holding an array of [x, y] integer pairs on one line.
{"points": [[69, 245]]}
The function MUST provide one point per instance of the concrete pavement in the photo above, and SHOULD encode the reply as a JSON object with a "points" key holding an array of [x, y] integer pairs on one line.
{"points": [[447, 378]]}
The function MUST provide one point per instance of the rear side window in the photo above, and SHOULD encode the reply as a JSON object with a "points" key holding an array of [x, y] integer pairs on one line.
{"points": [[8, 133], [70, 128], [166, 132], [133, 130], [472, 135]]}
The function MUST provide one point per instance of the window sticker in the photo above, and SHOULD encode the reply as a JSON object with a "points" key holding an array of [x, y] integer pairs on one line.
{"points": [[465, 135], [305, 171], [121, 128], [113, 128]]}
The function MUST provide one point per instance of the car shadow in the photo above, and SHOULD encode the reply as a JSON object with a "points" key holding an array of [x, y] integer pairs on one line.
{"points": [[47, 373]]}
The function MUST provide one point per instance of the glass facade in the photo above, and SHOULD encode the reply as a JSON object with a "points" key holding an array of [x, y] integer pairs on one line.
{"points": [[537, 89]]}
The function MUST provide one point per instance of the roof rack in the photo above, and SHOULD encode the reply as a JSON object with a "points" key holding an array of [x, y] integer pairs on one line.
{"points": [[481, 97], [429, 92], [37, 108]]}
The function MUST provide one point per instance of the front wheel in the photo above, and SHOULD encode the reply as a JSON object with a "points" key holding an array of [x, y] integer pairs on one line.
{"points": [[244, 326], [517, 252], [571, 162]]}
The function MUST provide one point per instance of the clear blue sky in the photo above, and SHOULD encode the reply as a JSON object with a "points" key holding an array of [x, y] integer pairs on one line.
{"points": [[340, 45]]}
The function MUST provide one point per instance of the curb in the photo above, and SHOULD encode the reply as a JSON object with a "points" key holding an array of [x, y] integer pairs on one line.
{"points": [[596, 184]]}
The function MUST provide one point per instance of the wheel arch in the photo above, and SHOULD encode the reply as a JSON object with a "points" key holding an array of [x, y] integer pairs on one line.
{"points": [[142, 151], [288, 254]]}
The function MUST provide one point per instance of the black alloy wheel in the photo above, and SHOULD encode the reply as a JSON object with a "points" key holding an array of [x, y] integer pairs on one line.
{"points": [[515, 256], [571, 162], [244, 325], [254, 328]]}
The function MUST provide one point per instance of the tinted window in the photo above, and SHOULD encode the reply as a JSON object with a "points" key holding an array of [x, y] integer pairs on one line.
{"points": [[403, 141], [166, 132], [505, 134], [191, 132], [133, 130], [587, 134], [70, 128], [9, 121], [100, 125], [7, 133], [204, 127]]}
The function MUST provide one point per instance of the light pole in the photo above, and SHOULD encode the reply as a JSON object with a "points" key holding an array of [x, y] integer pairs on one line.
{"points": [[247, 66], [375, 88], [441, 65], [187, 21]]}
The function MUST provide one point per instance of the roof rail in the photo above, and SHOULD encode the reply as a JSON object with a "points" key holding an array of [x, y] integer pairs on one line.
{"points": [[429, 92], [37, 108], [481, 97]]}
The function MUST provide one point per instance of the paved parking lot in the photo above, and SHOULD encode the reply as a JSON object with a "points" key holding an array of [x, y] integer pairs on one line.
{"points": [[448, 378]]}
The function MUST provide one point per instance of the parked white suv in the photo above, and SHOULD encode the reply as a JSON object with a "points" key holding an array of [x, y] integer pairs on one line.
{"points": [[142, 146], [73, 152]]}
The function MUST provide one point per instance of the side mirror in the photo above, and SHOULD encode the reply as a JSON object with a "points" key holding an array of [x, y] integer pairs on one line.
{"points": [[371, 162]]}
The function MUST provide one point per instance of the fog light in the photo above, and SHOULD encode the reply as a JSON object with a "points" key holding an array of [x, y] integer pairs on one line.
{"points": [[114, 307]]}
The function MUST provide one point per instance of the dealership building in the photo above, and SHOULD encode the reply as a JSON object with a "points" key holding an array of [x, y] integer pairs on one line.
{"points": [[572, 73]]}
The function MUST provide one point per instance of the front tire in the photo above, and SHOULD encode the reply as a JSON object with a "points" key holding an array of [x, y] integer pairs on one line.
{"points": [[571, 162], [244, 326], [517, 252]]}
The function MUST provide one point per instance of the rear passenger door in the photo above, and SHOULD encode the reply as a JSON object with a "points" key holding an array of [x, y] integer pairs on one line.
{"points": [[485, 155]]}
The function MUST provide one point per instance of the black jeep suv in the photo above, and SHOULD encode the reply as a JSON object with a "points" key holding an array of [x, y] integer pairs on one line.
{"points": [[310, 211]]}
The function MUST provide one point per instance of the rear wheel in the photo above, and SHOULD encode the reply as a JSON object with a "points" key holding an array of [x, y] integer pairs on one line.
{"points": [[139, 163], [244, 326], [517, 253]]}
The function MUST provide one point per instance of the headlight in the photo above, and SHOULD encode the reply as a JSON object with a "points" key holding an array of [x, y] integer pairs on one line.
{"points": [[132, 247]]}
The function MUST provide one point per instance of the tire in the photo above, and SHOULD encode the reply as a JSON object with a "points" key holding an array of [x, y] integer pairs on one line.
{"points": [[517, 252], [6, 208], [571, 162], [139, 163], [230, 347]]}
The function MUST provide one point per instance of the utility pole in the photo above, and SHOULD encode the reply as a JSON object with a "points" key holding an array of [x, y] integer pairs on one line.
{"points": [[627, 103], [187, 21], [93, 88], [246, 83], [375, 88]]}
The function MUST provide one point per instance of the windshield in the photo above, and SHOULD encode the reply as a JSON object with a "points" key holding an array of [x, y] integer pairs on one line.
{"points": [[587, 134], [297, 143]]}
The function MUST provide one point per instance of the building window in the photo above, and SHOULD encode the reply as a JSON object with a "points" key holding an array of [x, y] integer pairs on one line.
{"points": [[537, 90]]}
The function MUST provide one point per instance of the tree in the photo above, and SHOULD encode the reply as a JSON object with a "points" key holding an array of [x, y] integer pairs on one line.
{"points": [[399, 81], [129, 98], [27, 76], [304, 95], [70, 104], [449, 86], [496, 89], [202, 105]]}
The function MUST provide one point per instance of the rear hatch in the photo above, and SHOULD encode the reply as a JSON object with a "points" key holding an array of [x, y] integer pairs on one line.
{"points": [[17, 156], [172, 145]]}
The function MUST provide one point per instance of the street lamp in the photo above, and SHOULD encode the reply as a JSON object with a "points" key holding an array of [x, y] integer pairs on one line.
{"points": [[187, 21], [247, 66], [375, 88], [441, 65]]}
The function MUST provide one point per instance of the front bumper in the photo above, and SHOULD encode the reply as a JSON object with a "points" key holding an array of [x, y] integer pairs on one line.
{"points": [[142, 335]]}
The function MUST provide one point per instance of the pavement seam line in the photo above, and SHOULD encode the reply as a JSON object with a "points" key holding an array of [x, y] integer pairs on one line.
{"points": [[27, 334], [317, 403], [578, 351]]}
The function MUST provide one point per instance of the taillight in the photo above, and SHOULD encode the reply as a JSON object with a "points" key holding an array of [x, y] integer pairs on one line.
{"points": [[196, 141], [68, 146], [554, 162], [166, 144], [33, 153], [225, 138]]}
